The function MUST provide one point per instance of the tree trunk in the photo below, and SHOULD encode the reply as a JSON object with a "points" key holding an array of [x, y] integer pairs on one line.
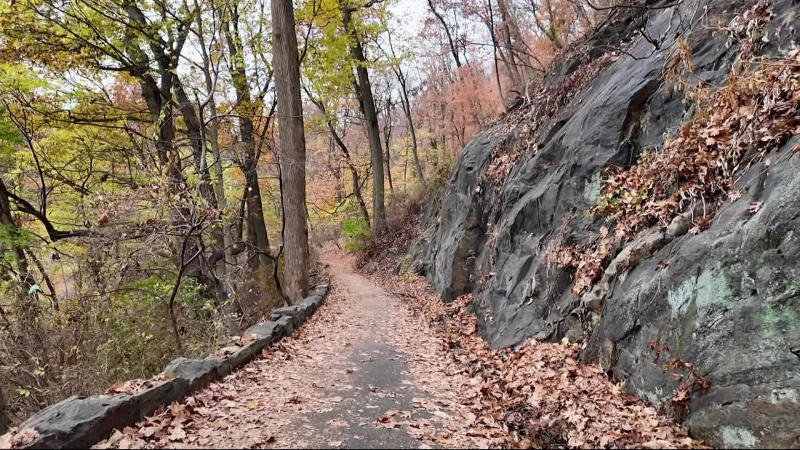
{"points": [[15, 251], [453, 48], [292, 147], [196, 134], [510, 59], [405, 103], [367, 104], [387, 136], [257, 237], [353, 170], [233, 306], [3, 413], [517, 43], [495, 48]]}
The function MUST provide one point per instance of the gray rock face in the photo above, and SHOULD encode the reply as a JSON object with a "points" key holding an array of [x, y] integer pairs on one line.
{"points": [[728, 300]]}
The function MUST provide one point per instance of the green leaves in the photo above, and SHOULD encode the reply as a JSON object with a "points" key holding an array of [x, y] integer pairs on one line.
{"points": [[20, 78]]}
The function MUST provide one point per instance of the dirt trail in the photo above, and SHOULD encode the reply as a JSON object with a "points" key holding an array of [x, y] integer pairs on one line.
{"points": [[357, 375]]}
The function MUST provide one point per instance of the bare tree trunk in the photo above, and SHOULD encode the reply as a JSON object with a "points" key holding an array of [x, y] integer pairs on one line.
{"points": [[257, 237], [387, 136], [495, 48], [405, 103], [226, 263], [367, 103], [362, 205], [16, 251], [3, 412], [514, 39], [510, 59], [549, 31], [453, 48], [348, 160], [292, 146]]}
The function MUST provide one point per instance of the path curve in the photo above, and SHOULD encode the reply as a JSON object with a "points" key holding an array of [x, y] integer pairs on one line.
{"points": [[361, 373]]}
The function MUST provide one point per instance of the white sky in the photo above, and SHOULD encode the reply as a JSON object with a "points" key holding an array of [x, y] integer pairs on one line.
{"points": [[411, 14]]}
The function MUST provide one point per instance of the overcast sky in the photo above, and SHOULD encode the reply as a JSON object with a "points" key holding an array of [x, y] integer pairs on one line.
{"points": [[411, 13]]}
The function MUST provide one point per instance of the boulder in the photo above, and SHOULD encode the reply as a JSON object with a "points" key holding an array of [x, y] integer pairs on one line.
{"points": [[321, 290], [245, 354], [312, 303], [164, 393]]}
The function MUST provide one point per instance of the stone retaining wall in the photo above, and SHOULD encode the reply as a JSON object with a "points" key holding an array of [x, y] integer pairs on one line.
{"points": [[80, 422]]}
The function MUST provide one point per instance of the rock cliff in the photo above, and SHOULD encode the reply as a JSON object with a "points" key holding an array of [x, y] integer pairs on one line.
{"points": [[710, 295]]}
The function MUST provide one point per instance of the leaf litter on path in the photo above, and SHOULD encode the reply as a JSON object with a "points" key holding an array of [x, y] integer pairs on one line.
{"points": [[536, 395]]}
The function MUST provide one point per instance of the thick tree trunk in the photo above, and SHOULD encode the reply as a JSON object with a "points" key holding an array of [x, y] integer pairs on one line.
{"points": [[367, 103], [292, 147]]}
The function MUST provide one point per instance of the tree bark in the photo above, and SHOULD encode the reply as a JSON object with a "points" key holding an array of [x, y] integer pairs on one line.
{"points": [[224, 265], [257, 237], [292, 147], [3, 413], [367, 104], [387, 136]]}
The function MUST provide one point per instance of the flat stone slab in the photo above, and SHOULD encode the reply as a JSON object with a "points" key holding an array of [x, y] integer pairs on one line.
{"points": [[295, 312], [312, 303], [286, 324], [197, 372], [264, 329], [81, 422]]}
